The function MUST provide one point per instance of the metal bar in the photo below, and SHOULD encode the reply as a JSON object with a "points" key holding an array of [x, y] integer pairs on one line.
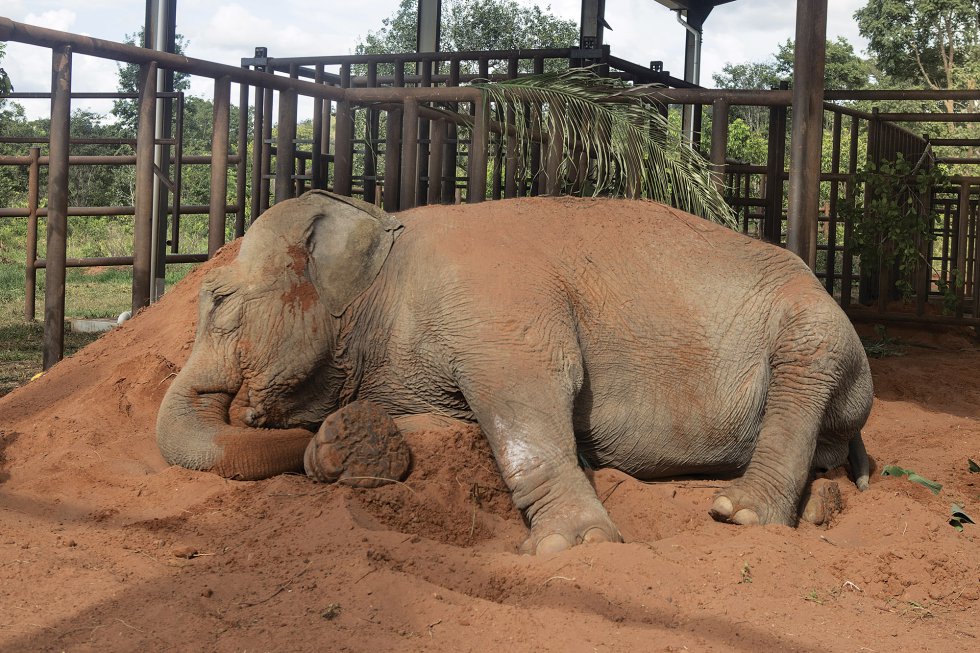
{"points": [[437, 149], [962, 225], [242, 148], [930, 117], [373, 132], [265, 190], [719, 142], [511, 157], [33, 200], [864, 315], [834, 192], [775, 170], [343, 158], [316, 163], [54, 286], [409, 155], [258, 119], [451, 157], [118, 261], [142, 236], [286, 146], [804, 173], [847, 264], [34, 35], [479, 144], [178, 175], [414, 57], [393, 146], [219, 165]]}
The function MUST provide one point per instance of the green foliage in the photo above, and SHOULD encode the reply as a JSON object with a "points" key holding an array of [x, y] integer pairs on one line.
{"points": [[931, 43], [895, 471], [892, 222], [844, 69], [474, 25], [632, 149], [5, 84]]}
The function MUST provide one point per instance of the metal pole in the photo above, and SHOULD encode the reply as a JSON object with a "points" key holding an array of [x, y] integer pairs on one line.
{"points": [[808, 90], [33, 191], [219, 165], [54, 276], [143, 225], [242, 147]]}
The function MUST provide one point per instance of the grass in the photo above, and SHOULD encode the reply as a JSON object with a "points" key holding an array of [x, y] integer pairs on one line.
{"points": [[91, 293]]}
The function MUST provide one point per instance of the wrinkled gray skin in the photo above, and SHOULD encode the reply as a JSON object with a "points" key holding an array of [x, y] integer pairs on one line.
{"points": [[650, 341]]}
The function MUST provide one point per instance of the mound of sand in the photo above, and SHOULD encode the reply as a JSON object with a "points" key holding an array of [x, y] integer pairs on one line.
{"points": [[103, 547]]}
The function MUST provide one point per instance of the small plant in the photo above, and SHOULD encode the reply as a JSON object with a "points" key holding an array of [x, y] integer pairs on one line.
{"points": [[892, 222], [881, 345], [746, 574], [813, 597], [949, 290]]}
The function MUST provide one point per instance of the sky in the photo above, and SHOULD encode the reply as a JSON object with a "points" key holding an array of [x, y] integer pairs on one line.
{"points": [[225, 31]]}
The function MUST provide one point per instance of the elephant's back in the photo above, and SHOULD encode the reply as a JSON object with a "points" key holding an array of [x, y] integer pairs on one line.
{"points": [[630, 242]]}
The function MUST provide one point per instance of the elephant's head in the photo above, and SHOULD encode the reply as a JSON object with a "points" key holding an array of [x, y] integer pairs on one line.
{"points": [[267, 328]]}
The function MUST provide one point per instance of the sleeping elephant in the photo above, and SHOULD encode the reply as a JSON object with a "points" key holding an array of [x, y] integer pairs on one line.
{"points": [[608, 333]]}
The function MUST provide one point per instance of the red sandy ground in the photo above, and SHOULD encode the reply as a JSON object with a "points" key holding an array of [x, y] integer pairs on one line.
{"points": [[94, 524]]}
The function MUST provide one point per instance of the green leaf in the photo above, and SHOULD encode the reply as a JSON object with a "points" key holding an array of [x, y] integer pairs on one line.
{"points": [[973, 467], [897, 472], [630, 147], [957, 517]]}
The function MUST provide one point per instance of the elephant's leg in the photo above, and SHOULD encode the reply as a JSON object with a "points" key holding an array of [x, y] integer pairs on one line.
{"points": [[526, 415], [805, 376]]}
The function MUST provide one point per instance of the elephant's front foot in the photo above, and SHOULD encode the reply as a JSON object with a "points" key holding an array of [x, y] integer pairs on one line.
{"points": [[358, 445], [569, 524], [744, 503]]}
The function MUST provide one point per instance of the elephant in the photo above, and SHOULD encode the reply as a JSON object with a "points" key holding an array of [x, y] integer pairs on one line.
{"points": [[579, 333]]}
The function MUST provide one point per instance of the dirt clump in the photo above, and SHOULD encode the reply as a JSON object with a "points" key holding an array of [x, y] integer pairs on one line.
{"points": [[104, 547]]}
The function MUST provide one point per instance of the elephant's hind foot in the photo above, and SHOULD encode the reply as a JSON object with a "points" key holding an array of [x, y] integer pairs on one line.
{"points": [[742, 504], [572, 526]]}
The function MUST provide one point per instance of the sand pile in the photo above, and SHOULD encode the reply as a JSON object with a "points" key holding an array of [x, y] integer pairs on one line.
{"points": [[103, 547]]}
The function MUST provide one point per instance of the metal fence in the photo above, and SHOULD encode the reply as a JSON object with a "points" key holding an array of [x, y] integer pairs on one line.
{"points": [[405, 130]]}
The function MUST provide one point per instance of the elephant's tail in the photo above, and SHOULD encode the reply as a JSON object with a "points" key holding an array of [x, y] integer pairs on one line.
{"points": [[857, 457]]}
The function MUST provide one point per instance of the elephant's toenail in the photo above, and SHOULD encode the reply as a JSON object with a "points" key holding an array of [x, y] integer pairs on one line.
{"points": [[552, 544], [595, 535], [746, 517], [722, 508]]}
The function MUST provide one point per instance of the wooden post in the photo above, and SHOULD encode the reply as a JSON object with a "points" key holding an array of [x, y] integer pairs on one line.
{"points": [[54, 275], [143, 227], [409, 155], [808, 92], [719, 142], [219, 165], [33, 200]]}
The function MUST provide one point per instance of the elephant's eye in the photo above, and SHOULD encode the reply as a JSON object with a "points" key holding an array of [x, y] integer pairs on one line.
{"points": [[219, 318]]}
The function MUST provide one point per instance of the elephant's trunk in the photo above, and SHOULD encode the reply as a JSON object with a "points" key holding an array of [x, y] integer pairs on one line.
{"points": [[193, 432]]}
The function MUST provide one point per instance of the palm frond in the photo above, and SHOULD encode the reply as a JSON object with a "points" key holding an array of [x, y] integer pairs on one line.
{"points": [[629, 148]]}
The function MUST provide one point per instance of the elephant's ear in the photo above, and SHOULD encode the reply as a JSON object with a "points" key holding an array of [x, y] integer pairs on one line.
{"points": [[348, 242]]}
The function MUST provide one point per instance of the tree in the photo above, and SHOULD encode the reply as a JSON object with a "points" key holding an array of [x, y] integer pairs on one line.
{"points": [[474, 25], [5, 85], [931, 43], [844, 69], [126, 111]]}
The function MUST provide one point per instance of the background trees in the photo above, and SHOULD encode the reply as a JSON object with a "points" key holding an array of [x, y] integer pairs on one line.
{"points": [[475, 25]]}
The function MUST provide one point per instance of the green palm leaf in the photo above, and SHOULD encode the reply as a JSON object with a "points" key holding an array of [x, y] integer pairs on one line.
{"points": [[630, 148]]}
